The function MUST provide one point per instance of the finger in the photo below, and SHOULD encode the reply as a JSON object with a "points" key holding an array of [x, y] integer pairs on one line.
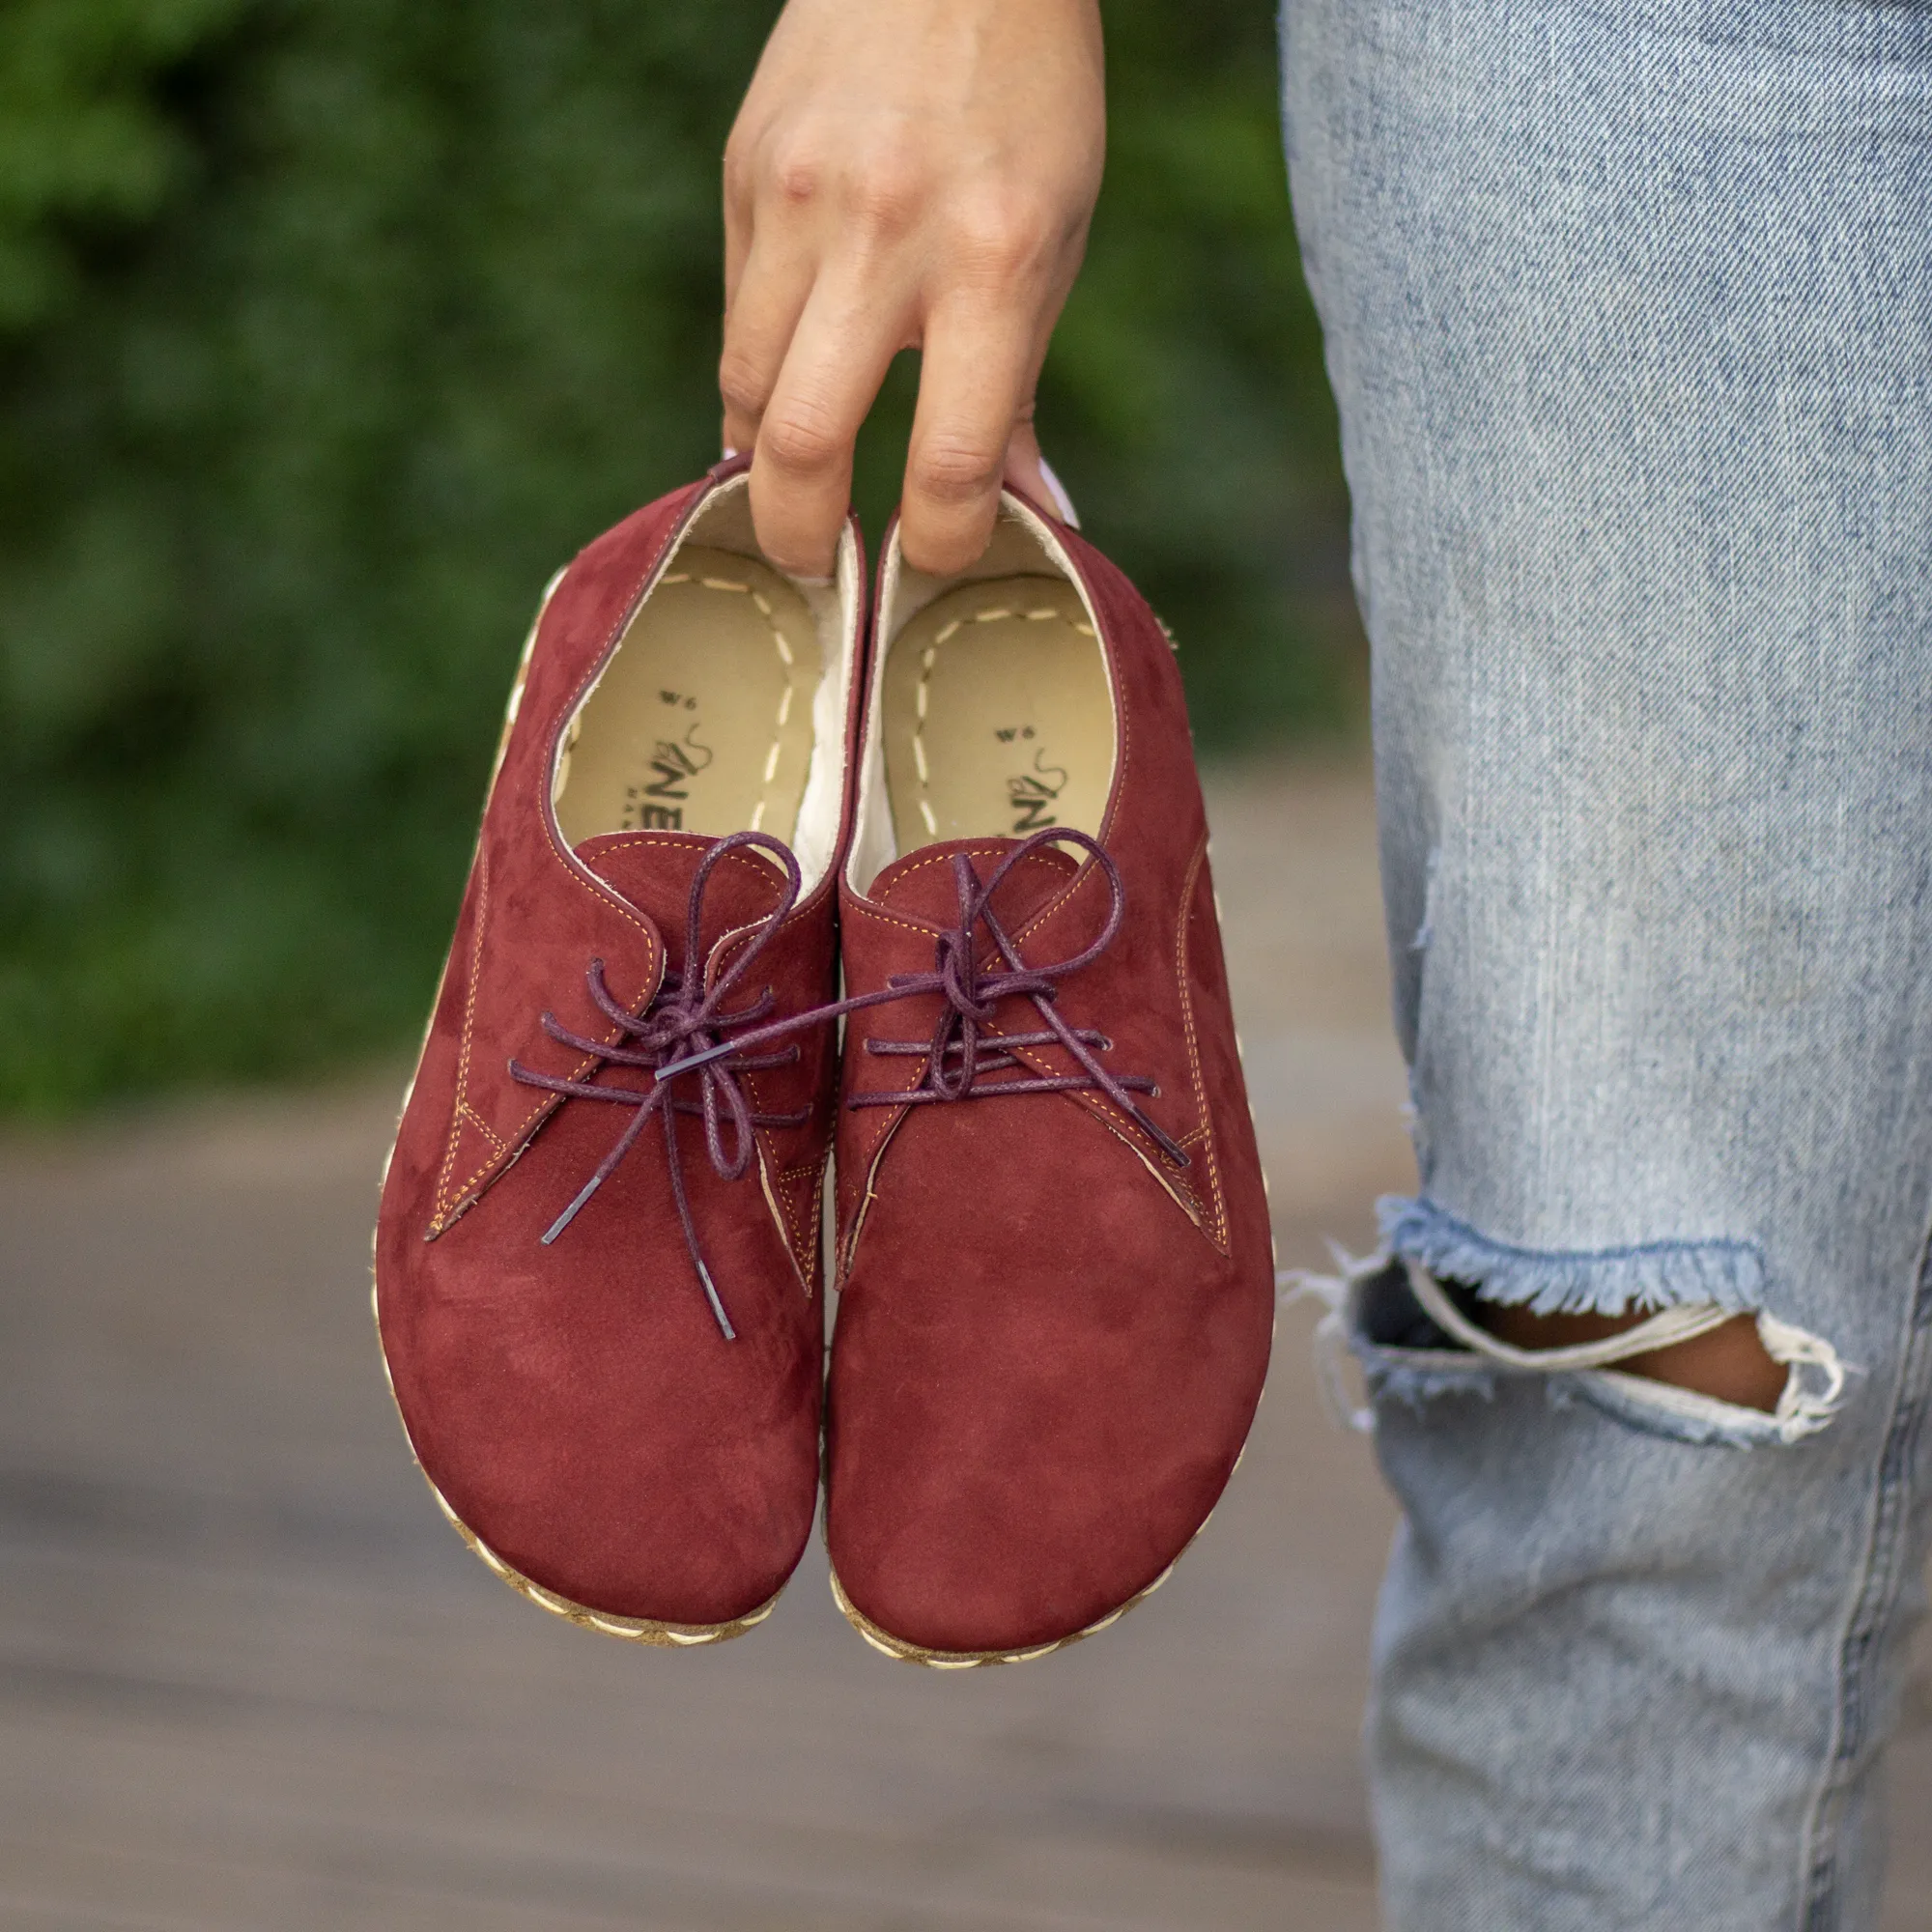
{"points": [[740, 215], [845, 339], [975, 392], [760, 322]]}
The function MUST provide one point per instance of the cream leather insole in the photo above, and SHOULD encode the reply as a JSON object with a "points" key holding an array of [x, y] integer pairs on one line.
{"points": [[997, 715], [702, 720]]}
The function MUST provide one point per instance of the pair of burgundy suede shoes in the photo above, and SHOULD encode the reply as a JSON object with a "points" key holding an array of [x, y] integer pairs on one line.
{"points": [[604, 1225]]}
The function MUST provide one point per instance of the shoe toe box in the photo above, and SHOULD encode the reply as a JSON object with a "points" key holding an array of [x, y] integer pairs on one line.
{"points": [[1026, 1430], [581, 1415]]}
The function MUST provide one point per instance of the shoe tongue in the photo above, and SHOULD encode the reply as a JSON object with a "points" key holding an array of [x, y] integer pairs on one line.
{"points": [[654, 872], [922, 886]]}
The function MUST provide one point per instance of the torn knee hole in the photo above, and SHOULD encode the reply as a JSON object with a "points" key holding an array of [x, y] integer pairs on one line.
{"points": [[1445, 1307], [1749, 1361], [1729, 1362]]}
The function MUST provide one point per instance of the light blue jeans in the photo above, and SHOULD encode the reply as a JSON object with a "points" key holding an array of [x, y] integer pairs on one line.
{"points": [[1629, 309]]}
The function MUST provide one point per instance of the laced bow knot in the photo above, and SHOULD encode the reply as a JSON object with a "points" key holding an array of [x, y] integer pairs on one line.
{"points": [[683, 1031], [964, 1046]]}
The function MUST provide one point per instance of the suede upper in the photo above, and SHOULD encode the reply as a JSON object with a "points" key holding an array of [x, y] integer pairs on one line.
{"points": [[575, 1402], [1051, 1336]]}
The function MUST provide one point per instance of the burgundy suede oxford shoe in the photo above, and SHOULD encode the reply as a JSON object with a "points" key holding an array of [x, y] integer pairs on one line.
{"points": [[595, 1273], [1056, 1274]]}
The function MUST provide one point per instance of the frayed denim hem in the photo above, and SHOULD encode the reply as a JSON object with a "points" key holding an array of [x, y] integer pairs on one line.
{"points": [[1682, 1415], [1416, 1384], [1589, 1281]]}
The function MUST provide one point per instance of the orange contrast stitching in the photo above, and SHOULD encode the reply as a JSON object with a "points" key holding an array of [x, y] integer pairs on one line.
{"points": [[1194, 1044], [469, 1025]]}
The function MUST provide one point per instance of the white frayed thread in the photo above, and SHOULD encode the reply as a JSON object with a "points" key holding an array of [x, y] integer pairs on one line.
{"points": [[1664, 1329], [1802, 1410], [1336, 1292]]}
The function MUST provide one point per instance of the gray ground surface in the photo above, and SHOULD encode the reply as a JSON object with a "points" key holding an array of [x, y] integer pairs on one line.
{"points": [[249, 1680]]}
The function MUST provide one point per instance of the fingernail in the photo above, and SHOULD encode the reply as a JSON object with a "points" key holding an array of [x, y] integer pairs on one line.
{"points": [[1057, 490], [728, 454]]}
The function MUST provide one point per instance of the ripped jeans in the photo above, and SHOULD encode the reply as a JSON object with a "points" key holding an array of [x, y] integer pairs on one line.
{"points": [[1629, 312]]}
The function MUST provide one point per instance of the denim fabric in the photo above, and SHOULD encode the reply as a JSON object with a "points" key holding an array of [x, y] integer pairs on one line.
{"points": [[1629, 310]]}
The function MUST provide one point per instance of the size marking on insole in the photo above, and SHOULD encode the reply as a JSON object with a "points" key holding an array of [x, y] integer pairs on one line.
{"points": [[763, 605], [1030, 809]]}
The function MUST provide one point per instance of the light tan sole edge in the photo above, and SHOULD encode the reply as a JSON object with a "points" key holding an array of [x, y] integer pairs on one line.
{"points": [[630, 1630], [903, 1652]]}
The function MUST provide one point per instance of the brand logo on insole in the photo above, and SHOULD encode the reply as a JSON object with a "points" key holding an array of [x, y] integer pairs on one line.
{"points": [[676, 762], [1031, 794]]}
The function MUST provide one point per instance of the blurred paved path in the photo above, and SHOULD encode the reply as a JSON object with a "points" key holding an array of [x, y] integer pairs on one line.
{"points": [[250, 1683]]}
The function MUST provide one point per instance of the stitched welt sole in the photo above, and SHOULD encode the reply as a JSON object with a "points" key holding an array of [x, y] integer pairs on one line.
{"points": [[973, 1660], [631, 1629]]}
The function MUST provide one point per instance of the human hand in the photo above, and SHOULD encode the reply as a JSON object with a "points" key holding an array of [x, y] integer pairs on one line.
{"points": [[904, 174]]}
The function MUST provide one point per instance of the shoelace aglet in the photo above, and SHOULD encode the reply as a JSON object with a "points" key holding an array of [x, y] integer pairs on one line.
{"points": [[569, 1215], [1163, 1139], [672, 1068], [711, 1295]]}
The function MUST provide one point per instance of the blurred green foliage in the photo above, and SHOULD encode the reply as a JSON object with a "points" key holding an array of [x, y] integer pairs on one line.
{"points": [[328, 331]]}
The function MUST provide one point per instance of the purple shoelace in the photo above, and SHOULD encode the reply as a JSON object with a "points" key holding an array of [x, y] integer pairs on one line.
{"points": [[681, 1032], [958, 1052], [958, 1055]]}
